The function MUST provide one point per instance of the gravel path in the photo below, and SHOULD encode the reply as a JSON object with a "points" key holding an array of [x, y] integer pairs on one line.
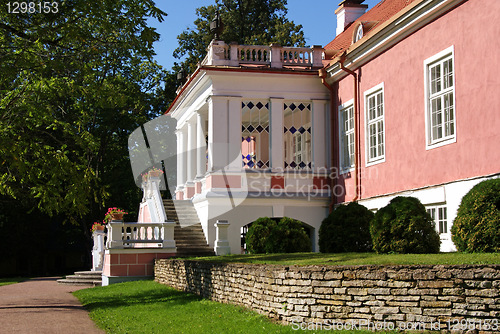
{"points": [[41, 305]]}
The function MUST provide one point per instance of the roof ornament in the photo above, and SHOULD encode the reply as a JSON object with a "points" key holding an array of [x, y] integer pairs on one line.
{"points": [[216, 26]]}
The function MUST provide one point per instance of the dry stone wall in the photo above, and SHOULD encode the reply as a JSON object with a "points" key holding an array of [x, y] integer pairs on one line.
{"points": [[463, 298]]}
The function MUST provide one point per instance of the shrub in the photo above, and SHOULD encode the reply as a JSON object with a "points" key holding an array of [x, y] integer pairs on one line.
{"points": [[288, 236], [285, 236], [346, 229], [404, 226], [477, 225], [257, 235]]}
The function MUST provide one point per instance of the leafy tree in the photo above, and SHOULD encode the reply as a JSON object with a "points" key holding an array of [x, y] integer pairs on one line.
{"points": [[250, 22], [258, 233], [477, 225], [74, 84]]}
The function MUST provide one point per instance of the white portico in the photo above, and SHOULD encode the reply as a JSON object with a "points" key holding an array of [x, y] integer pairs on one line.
{"points": [[252, 138]]}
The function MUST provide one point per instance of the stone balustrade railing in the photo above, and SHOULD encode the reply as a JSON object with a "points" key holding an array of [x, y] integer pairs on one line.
{"points": [[274, 56], [140, 235]]}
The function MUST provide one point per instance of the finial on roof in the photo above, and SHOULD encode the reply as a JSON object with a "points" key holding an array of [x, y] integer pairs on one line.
{"points": [[216, 26]]}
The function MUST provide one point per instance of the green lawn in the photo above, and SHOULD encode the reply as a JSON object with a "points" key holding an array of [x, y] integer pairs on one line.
{"points": [[304, 259], [150, 307], [11, 280]]}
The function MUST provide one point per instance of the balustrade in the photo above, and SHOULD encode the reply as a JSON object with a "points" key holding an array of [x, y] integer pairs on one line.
{"points": [[276, 56], [140, 235]]}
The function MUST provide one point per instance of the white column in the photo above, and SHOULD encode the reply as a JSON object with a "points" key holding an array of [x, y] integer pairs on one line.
{"points": [[181, 157], [191, 150], [221, 242], [201, 146], [217, 133], [234, 133], [276, 126], [320, 142]]}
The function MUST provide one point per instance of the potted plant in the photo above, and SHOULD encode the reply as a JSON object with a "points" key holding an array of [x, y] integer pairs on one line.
{"points": [[114, 214], [97, 226], [155, 172]]}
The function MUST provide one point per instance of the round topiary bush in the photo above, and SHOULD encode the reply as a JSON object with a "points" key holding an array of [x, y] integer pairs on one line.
{"points": [[346, 229], [404, 226], [288, 236], [265, 235], [476, 227], [257, 235]]}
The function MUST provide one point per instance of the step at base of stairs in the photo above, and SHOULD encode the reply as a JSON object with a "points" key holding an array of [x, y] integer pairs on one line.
{"points": [[86, 278]]}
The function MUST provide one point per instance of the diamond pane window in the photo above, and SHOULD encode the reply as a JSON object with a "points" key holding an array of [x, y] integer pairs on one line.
{"points": [[255, 134], [297, 135]]}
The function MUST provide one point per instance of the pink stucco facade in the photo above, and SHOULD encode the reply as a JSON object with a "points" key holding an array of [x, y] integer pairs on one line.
{"points": [[409, 164]]}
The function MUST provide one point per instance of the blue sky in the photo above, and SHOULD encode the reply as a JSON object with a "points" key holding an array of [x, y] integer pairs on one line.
{"points": [[316, 16]]}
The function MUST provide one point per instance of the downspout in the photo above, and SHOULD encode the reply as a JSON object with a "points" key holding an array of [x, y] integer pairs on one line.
{"points": [[356, 125], [323, 75]]}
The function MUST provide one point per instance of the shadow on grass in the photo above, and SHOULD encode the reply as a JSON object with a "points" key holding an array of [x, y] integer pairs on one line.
{"points": [[115, 296]]}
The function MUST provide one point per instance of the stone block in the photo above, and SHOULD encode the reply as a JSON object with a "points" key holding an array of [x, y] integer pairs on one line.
{"points": [[333, 275], [379, 291], [435, 304], [435, 284]]}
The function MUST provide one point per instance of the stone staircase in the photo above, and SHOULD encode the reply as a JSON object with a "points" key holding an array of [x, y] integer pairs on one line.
{"points": [[188, 234], [88, 278]]}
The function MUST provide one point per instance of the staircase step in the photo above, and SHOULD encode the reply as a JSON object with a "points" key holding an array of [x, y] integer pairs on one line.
{"points": [[89, 278]]}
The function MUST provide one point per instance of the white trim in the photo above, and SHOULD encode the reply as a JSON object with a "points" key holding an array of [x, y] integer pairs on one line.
{"points": [[371, 91], [450, 51], [344, 170]]}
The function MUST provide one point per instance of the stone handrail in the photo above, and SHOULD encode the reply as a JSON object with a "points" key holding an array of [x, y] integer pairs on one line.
{"points": [[275, 55], [140, 235]]}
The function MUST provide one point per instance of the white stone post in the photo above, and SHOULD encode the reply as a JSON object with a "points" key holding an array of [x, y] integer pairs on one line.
{"points": [[276, 50], [167, 231], [217, 133], [98, 250], [317, 55], [276, 126], [234, 59], [234, 133], [191, 150], [221, 242], [181, 158], [320, 143], [201, 147], [115, 234]]}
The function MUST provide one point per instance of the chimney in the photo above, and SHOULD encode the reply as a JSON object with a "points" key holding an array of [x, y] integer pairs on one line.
{"points": [[348, 12]]}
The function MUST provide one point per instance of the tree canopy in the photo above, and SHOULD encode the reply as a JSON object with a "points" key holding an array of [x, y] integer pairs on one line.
{"points": [[247, 22], [74, 83]]}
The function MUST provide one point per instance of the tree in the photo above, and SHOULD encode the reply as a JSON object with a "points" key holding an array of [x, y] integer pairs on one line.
{"points": [[74, 84], [250, 22]]}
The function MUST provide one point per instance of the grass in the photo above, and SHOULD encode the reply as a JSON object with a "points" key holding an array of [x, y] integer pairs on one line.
{"points": [[11, 280], [303, 259], [150, 307]]}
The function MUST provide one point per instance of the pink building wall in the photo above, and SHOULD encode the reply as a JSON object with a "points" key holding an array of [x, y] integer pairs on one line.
{"points": [[470, 28]]}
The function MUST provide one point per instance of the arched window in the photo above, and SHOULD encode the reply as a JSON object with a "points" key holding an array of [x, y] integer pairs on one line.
{"points": [[358, 33]]}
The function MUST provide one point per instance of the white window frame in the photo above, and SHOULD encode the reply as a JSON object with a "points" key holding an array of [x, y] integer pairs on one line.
{"points": [[439, 58], [346, 169], [373, 92], [440, 215]]}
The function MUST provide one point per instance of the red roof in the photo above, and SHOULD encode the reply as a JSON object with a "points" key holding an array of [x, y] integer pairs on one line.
{"points": [[379, 14]]}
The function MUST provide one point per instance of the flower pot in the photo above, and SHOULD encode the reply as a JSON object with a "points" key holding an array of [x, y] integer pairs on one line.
{"points": [[155, 173], [116, 216], [99, 228]]}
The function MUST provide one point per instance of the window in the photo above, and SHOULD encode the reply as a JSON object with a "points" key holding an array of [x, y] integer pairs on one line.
{"points": [[358, 33], [440, 216], [297, 135], [375, 130], [440, 99], [346, 124], [255, 134]]}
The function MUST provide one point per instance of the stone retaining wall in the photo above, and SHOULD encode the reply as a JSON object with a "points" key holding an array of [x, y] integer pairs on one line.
{"points": [[365, 297]]}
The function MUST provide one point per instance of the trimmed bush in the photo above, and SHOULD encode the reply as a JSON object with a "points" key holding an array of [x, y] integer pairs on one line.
{"points": [[346, 229], [257, 235], [285, 236], [477, 225], [404, 226]]}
